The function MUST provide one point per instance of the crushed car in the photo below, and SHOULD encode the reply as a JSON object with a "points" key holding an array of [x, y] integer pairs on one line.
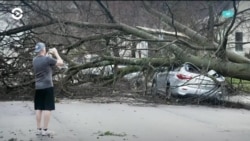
{"points": [[186, 79]]}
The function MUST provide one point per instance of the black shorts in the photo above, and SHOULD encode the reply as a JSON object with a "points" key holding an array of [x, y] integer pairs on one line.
{"points": [[44, 99]]}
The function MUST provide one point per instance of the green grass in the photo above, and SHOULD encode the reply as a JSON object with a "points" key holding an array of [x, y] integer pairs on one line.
{"points": [[243, 85]]}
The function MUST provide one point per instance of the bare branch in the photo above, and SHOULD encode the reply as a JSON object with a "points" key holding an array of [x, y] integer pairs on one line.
{"points": [[172, 17], [94, 37], [222, 48], [182, 28], [106, 12], [38, 9], [161, 31], [26, 28]]}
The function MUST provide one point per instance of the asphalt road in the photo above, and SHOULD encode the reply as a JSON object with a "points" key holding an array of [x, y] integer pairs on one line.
{"points": [[83, 121]]}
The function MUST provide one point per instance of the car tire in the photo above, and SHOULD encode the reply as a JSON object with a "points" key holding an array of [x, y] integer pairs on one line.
{"points": [[154, 89]]}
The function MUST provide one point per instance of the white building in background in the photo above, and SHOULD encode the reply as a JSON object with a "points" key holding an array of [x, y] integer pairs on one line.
{"points": [[241, 33], [125, 52], [141, 50]]}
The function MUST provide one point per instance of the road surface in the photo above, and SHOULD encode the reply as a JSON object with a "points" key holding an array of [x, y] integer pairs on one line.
{"points": [[84, 121]]}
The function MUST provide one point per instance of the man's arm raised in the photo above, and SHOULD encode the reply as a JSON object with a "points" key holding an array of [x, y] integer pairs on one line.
{"points": [[59, 61]]}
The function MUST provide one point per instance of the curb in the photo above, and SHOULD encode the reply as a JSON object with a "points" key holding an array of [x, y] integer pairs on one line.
{"points": [[241, 100]]}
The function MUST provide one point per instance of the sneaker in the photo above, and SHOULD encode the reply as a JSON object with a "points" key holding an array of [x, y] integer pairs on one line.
{"points": [[47, 133], [39, 132]]}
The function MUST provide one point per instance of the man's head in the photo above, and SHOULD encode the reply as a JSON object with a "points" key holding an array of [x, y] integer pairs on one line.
{"points": [[40, 48]]}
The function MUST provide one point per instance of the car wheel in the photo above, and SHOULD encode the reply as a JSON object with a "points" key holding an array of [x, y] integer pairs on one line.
{"points": [[168, 91], [154, 89]]}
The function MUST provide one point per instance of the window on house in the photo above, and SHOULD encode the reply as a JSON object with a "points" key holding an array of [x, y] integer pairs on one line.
{"points": [[238, 41]]}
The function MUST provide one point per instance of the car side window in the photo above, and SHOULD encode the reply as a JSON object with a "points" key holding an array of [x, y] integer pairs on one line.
{"points": [[191, 68], [170, 68], [177, 69], [162, 69]]}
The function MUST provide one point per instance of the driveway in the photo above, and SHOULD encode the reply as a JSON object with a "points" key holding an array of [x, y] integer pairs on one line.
{"points": [[88, 121]]}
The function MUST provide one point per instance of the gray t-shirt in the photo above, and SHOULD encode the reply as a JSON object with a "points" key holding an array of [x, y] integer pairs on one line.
{"points": [[42, 66]]}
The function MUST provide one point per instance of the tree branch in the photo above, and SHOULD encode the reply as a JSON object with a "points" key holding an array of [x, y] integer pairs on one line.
{"points": [[26, 28], [39, 10], [222, 48], [106, 12], [94, 37], [161, 31], [182, 28]]}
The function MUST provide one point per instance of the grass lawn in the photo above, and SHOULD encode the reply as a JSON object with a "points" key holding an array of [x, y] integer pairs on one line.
{"points": [[243, 85]]}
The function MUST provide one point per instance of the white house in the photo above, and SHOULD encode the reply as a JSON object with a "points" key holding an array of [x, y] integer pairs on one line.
{"points": [[141, 50], [242, 32]]}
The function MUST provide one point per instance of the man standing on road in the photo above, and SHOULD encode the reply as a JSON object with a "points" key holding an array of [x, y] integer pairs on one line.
{"points": [[44, 101]]}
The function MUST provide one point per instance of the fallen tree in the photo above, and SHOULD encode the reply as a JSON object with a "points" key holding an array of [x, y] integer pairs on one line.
{"points": [[75, 37]]}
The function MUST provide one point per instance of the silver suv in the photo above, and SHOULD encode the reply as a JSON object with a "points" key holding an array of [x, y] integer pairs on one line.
{"points": [[186, 79]]}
